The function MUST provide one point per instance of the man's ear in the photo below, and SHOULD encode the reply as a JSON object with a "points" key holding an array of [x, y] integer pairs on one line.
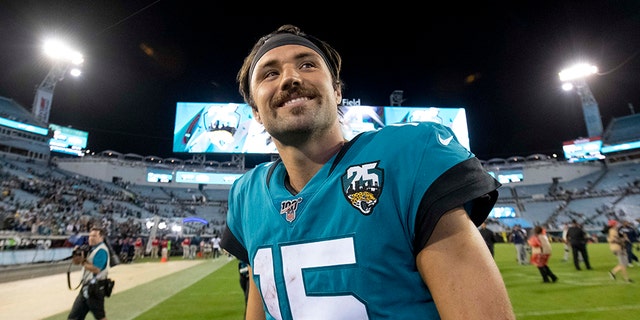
{"points": [[338, 96], [256, 115]]}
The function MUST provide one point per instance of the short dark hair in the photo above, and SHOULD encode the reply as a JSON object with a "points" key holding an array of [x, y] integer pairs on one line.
{"points": [[100, 231], [537, 229], [332, 57]]}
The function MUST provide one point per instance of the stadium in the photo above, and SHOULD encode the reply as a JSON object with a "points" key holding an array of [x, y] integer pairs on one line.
{"points": [[51, 193]]}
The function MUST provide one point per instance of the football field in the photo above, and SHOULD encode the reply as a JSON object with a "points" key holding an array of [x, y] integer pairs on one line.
{"points": [[211, 290]]}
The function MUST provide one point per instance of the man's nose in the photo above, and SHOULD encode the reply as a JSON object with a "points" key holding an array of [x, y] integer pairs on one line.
{"points": [[290, 77]]}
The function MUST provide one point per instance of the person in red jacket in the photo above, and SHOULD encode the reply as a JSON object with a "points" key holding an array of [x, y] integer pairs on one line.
{"points": [[185, 247], [138, 249], [541, 252], [164, 245], [155, 247]]}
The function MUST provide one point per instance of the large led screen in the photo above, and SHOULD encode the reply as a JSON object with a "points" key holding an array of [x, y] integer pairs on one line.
{"points": [[580, 150], [219, 128], [454, 118], [23, 126], [231, 128], [68, 140], [357, 119]]}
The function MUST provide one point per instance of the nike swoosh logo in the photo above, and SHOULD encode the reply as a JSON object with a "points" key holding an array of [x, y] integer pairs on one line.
{"points": [[444, 142]]}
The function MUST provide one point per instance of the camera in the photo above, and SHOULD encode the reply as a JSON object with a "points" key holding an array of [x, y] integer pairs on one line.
{"points": [[82, 250]]}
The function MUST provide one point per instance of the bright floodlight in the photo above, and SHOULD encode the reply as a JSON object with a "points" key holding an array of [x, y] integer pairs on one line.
{"points": [[60, 51], [567, 86], [75, 72], [580, 70]]}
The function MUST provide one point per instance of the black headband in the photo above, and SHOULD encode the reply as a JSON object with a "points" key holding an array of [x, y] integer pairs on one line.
{"points": [[283, 39]]}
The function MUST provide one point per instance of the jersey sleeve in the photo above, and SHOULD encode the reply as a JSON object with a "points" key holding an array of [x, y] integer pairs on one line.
{"points": [[230, 243], [466, 184], [448, 176]]}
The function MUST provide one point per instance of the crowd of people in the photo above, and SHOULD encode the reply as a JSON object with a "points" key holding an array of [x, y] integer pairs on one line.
{"points": [[41, 201]]}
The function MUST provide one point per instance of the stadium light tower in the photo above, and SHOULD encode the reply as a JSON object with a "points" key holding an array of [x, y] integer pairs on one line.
{"points": [[65, 60], [575, 78]]}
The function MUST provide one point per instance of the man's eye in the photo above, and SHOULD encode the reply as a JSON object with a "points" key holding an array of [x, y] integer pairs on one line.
{"points": [[270, 74]]}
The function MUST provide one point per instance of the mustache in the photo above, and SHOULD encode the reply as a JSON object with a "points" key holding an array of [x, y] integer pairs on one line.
{"points": [[292, 93]]}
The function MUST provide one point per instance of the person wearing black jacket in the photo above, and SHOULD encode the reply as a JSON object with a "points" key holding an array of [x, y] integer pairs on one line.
{"points": [[489, 237], [632, 237], [577, 238]]}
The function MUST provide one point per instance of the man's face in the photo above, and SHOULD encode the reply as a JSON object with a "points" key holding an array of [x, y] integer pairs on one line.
{"points": [[95, 238], [294, 93]]}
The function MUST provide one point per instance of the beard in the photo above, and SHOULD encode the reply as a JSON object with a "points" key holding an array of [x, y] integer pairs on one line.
{"points": [[300, 124], [295, 125]]}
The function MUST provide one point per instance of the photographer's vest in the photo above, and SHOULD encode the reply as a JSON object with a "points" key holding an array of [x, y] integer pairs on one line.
{"points": [[87, 276]]}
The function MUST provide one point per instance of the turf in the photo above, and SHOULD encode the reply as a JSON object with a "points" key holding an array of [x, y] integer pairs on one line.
{"points": [[586, 294]]}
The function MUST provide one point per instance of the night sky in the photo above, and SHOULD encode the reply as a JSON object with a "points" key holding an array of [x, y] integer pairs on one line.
{"points": [[500, 63]]}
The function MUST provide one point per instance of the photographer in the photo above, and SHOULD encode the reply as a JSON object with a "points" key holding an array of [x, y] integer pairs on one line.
{"points": [[95, 267]]}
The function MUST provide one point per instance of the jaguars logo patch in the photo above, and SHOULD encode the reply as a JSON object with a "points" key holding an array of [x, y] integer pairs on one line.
{"points": [[362, 185]]}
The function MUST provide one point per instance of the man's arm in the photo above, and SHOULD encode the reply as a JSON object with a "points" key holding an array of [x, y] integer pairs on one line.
{"points": [[461, 274], [255, 311]]}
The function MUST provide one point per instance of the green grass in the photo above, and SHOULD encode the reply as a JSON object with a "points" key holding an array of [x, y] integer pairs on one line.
{"points": [[584, 295]]}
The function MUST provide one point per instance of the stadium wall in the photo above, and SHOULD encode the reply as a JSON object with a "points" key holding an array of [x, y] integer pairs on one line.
{"points": [[565, 171], [543, 172], [135, 172], [122, 171]]}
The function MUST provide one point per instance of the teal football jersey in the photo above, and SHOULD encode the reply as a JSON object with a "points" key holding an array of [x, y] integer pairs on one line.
{"points": [[344, 247]]}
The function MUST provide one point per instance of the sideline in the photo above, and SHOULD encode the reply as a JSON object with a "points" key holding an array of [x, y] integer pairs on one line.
{"points": [[537, 314], [50, 298]]}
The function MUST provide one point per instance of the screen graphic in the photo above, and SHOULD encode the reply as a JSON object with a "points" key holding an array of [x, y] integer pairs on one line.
{"points": [[219, 128], [231, 127], [68, 140], [583, 150], [454, 118]]}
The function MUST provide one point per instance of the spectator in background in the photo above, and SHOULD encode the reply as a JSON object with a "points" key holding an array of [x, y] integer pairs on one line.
{"points": [[185, 247], [616, 240], [541, 252], [165, 246], [126, 250], [138, 248], [632, 237], [216, 246], [519, 238], [243, 269], [577, 238], [206, 248], [155, 247], [193, 247], [565, 243], [490, 237]]}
